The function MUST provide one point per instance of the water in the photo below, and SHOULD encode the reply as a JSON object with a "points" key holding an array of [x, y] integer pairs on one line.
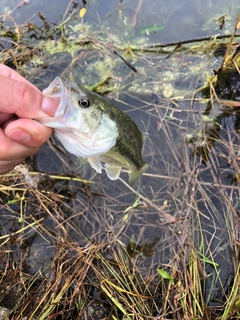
{"points": [[190, 192]]}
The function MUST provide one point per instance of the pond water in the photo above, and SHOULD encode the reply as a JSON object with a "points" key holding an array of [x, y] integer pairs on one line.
{"points": [[190, 195]]}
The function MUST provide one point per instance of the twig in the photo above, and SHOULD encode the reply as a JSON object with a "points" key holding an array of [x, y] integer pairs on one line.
{"points": [[114, 51], [119, 5], [171, 44], [134, 18], [230, 42], [68, 7], [125, 61]]}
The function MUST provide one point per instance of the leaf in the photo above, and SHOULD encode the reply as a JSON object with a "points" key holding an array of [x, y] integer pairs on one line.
{"points": [[136, 203], [82, 12], [12, 201], [164, 274], [153, 28]]}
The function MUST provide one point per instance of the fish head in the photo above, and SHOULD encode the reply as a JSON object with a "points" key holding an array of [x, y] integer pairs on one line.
{"points": [[80, 123], [77, 108]]}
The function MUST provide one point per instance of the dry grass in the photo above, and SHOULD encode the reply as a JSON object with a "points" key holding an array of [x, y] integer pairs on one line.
{"points": [[105, 254]]}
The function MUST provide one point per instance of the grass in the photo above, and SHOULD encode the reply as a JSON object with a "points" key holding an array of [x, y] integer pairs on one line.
{"points": [[95, 262], [74, 248]]}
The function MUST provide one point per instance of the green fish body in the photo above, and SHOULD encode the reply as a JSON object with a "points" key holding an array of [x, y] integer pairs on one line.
{"points": [[91, 127]]}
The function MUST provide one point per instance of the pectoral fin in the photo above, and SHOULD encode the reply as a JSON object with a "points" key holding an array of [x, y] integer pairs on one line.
{"points": [[118, 158], [113, 172], [95, 163]]}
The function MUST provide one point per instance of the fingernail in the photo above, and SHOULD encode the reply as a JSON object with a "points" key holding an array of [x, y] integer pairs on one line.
{"points": [[19, 135], [49, 106]]}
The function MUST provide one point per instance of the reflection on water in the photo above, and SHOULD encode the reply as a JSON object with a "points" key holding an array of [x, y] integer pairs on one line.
{"points": [[182, 199]]}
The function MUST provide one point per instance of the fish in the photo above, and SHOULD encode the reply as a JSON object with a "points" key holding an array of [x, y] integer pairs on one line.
{"points": [[91, 127]]}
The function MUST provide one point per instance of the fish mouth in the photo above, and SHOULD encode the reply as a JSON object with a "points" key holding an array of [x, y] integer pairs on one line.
{"points": [[58, 91]]}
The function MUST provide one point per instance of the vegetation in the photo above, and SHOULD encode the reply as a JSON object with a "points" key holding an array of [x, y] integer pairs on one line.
{"points": [[88, 248]]}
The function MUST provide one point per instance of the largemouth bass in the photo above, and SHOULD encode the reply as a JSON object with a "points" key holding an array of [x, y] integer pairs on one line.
{"points": [[91, 127]]}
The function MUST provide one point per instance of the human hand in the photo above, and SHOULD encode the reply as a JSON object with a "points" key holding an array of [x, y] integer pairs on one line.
{"points": [[20, 102]]}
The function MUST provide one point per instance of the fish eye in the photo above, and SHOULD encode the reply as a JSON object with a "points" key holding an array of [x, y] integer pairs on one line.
{"points": [[84, 102]]}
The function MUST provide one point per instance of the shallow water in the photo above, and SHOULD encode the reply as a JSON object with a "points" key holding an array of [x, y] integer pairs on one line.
{"points": [[180, 188]]}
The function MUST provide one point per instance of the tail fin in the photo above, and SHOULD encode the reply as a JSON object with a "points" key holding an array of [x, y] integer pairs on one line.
{"points": [[135, 175]]}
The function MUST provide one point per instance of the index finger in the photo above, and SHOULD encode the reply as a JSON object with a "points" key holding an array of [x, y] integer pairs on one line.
{"points": [[4, 117], [10, 73], [20, 97]]}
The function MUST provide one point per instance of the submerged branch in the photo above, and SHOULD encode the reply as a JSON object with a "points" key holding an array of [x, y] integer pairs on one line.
{"points": [[152, 47]]}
